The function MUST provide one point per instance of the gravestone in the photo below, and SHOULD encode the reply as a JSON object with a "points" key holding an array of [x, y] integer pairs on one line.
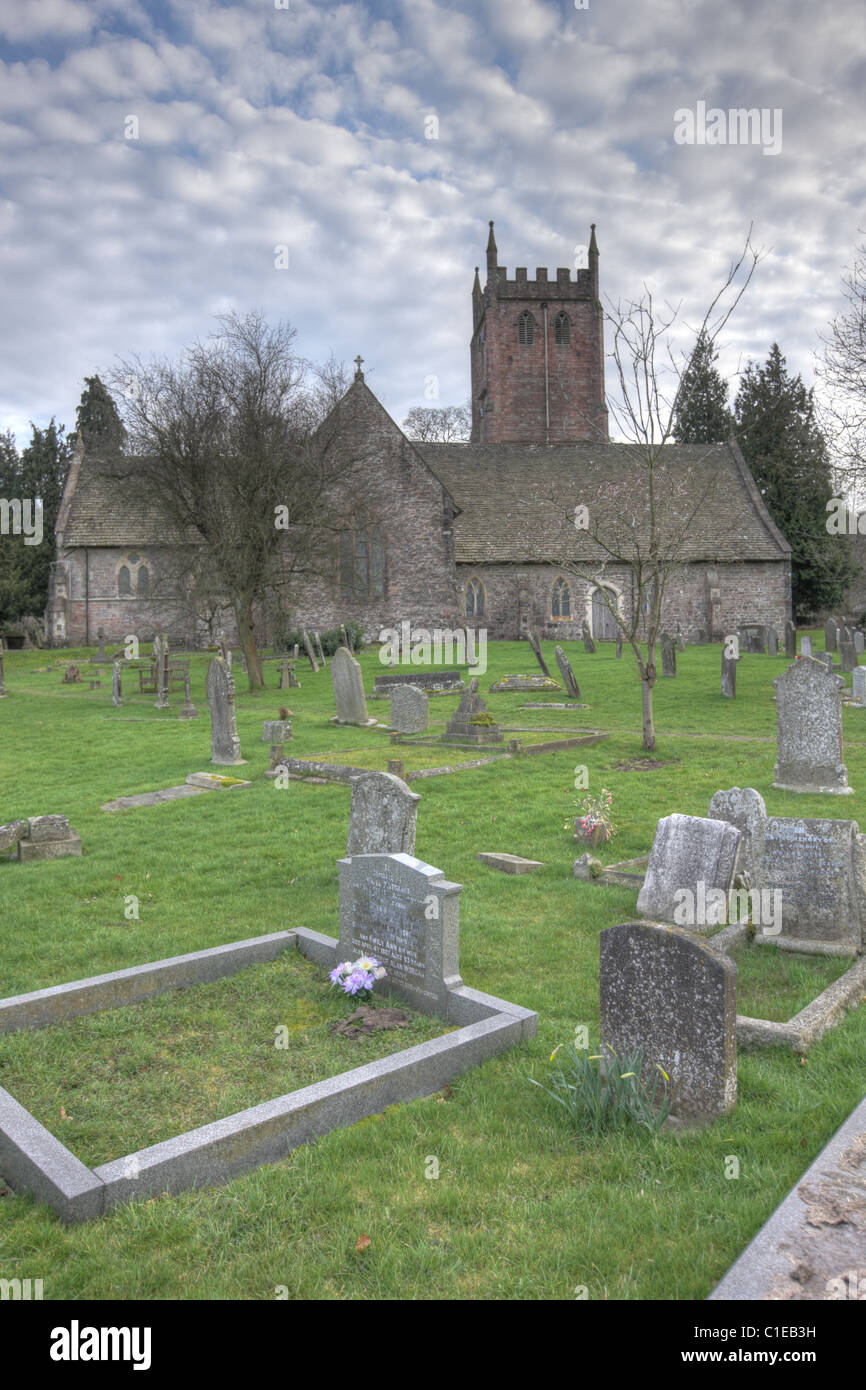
{"points": [[225, 744], [276, 756], [524, 683], [437, 682], [344, 638], [11, 833], [805, 645], [744, 808], [288, 679], [48, 837], [669, 655], [859, 680], [859, 641], [406, 915], [790, 640], [618, 643], [188, 709], [676, 999], [320, 654], [276, 730], [847, 650], [817, 866], [771, 641], [71, 676], [382, 815], [116, 684], [308, 648], [809, 722], [688, 851], [535, 643], [100, 657], [295, 650], [348, 690], [830, 635], [569, 679], [2, 671], [223, 644], [825, 658], [729, 675], [460, 728], [588, 644], [160, 657], [410, 709]]}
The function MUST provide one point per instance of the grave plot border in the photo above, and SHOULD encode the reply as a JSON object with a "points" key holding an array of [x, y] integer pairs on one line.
{"points": [[35, 1162]]}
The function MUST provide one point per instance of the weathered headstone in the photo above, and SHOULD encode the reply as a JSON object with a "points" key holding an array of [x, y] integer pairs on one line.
{"points": [[618, 642], [524, 683], [344, 638], [348, 689], [588, 644], [847, 650], [669, 655], [771, 641], [160, 657], [72, 675], [277, 754], [689, 851], [2, 671], [223, 644], [406, 915], [308, 648], [744, 808], [295, 650], [676, 999], [11, 833], [409, 709], [116, 684], [859, 641], [382, 815], [225, 744], [790, 640], [818, 868], [100, 657], [859, 681], [805, 645], [461, 729], [319, 653], [830, 635], [188, 709], [276, 730], [569, 679], [729, 674], [809, 722], [288, 679], [535, 643], [48, 837]]}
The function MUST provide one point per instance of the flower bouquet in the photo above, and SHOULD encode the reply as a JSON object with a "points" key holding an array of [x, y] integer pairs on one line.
{"points": [[357, 978]]}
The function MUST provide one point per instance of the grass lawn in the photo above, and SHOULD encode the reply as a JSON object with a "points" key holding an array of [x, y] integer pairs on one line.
{"points": [[522, 1207]]}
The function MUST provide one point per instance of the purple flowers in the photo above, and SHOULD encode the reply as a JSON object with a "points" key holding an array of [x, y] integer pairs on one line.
{"points": [[357, 977]]}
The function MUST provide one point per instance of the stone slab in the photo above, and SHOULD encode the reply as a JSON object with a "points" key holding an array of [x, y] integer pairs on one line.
{"points": [[518, 683], [213, 782], [816, 1237], [129, 803], [33, 1161], [41, 828], [509, 863], [30, 851], [15, 830]]}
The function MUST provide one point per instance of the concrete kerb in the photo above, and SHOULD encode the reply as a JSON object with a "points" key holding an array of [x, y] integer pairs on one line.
{"points": [[33, 1161]]}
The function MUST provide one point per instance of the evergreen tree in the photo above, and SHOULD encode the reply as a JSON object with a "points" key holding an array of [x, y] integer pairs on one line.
{"points": [[97, 420], [789, 458], [702, 414], [37, 478]]}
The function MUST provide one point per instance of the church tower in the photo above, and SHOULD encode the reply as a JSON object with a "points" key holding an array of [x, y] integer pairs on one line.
{"points": [[537, 355]]}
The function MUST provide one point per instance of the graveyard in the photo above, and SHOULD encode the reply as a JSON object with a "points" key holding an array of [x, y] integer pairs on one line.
{"points": [[481, 1188]]}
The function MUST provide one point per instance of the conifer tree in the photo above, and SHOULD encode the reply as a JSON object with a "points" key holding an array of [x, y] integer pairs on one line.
{"points": [[702, 414], [97, 419]]}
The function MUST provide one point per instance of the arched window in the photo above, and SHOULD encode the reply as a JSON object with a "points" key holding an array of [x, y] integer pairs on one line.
{"points": [[362, 561], [124, 583], [560, 600], [562, 329], [142, 583], [475, 599], [526, 328]]}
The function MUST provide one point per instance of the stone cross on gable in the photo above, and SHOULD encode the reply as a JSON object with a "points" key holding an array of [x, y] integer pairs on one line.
{"points": [[359, 375]]}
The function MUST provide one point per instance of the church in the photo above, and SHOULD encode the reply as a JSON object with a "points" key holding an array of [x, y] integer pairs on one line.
{"points": [[480, 534]]}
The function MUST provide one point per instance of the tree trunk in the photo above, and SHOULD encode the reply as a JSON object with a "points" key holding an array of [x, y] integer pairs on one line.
{"points": [[244, 619], [649, 733]]}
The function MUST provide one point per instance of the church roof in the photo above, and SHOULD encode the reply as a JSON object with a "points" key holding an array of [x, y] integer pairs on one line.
{"points": [[98, 510], [517, 502]]}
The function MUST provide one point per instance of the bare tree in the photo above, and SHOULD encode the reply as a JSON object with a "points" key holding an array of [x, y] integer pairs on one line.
{"points": [[233, 454], [445, 424], [842, 372]]}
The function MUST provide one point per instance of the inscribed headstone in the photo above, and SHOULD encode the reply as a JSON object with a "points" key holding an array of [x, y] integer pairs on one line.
{"points": [[410, 709], [382, 816], [225, 744], [689, 851], [830, 637], [348, 688], [859, 680], [809, 722], [790, 640], [817, 866], [676, 999]]}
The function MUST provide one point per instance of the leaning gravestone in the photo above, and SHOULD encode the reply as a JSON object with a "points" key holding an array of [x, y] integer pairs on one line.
{"points": [[859, 682], [729, 675], [809, 721], [535, 643], [669, 655], [569, 679], [830, 635], [410, 709], [689, 855], [117, 684], [382, 815], [319, 653], [406, 915], [348, 690], [588, 644], [308, 648], [676, 999], [744, 808], [225, 744], [805, 645], [790, 640]]}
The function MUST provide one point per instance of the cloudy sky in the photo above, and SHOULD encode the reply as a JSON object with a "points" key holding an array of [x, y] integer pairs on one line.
{"points": [[162, 160]]}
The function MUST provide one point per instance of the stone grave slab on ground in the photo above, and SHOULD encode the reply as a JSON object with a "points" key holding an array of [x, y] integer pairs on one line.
{"points": [[519, 683], [48, 837], [410, 712], [509, 863], [569, 679], [348, 690], [687, 852], [432, 682], [382, 816], [809, 723], [674, 997], [225, 744]]}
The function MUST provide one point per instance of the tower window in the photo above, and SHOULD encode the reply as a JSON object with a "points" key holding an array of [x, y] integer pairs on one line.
{"points": [[526, 328], [562, 329], [560, 600], [475, 599]]}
